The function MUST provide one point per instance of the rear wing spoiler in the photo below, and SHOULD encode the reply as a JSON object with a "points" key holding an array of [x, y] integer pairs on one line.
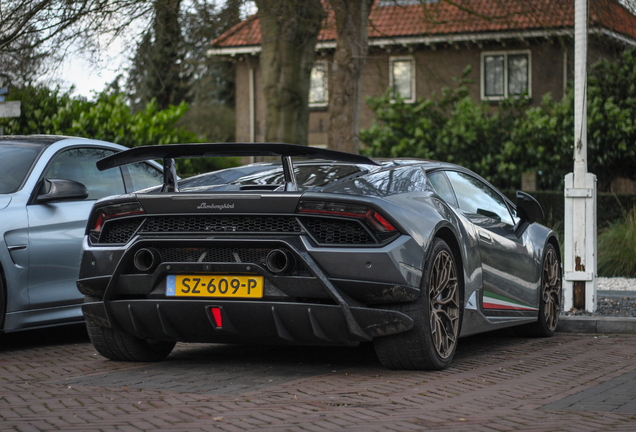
{"points": [[170, 152]]}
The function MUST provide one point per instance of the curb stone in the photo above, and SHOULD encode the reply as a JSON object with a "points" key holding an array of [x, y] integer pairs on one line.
{"points": [[596, 324]]}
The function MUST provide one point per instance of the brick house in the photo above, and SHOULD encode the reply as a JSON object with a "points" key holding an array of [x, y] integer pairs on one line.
{"points": [[416, 47]]}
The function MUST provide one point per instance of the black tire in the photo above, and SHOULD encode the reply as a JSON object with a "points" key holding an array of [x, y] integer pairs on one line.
{"points": [[431, 343], [3, 300], [117, 345], [550, 297]]}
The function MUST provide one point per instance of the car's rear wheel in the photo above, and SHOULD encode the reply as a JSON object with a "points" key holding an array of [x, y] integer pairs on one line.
{"points": [[437, 313], [550, 300], [117, 345], [3, 303]]}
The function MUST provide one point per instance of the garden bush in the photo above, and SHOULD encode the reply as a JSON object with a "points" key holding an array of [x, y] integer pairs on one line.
{"points": [[617, 247], [107, 118]]}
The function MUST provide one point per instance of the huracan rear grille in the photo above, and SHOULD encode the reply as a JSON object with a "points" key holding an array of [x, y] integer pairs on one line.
{"points": [[206, 224], [337, 231], [120, 231], [323, 230]]}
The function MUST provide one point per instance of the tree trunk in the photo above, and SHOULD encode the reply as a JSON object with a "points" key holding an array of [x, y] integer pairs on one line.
{"points": [[290, 31], [346, 75]]}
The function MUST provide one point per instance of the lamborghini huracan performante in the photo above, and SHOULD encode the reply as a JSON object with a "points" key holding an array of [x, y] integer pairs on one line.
{"points": [[322, 248]]}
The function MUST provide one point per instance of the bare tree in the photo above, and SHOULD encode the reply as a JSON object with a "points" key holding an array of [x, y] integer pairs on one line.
{"points": [[36, 32], [64, 21], [289, 32]]}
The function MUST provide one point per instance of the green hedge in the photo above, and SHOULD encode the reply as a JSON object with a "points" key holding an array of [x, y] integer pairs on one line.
{"points": [[610, 207]]}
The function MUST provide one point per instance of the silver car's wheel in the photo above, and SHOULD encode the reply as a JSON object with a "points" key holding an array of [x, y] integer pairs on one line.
{"points": [[437, 315], [550, 297], [3, 297]]}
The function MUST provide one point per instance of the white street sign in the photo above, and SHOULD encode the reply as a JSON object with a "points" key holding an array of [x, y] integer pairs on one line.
{"points": [[10, 109]]}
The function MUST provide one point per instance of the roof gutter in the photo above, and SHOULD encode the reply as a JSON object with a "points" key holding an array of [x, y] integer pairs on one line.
{"points": [[431, 40]]}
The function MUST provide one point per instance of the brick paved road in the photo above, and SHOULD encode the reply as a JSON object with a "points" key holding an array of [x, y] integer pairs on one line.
{"points": [[53, 380]]}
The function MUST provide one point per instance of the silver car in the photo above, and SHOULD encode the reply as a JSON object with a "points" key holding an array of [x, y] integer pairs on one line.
{"points": [[48, 185]]}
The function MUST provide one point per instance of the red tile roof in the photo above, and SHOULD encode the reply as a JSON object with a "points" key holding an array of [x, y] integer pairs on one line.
{"points": [[470, 16]]}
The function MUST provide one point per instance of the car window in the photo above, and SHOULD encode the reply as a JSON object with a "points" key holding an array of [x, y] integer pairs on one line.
{"points": [[15, 164], [402, 179], [474, 196], [442, 187], [79, 164], [306, 175], [143, 175]]}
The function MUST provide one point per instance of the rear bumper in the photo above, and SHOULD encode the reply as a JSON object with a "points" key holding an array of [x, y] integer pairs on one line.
{"points": [[243, 321], [326, 300]]}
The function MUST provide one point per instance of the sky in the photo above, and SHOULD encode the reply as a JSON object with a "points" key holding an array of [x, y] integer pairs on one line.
{"points": [[93, 77], [88, 77]]}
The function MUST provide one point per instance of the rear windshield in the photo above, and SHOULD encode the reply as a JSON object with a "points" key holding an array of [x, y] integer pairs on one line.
{"points": [[15, 163], [307, 176]]}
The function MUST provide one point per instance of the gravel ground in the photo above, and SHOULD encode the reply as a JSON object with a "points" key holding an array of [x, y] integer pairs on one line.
{"points": [[613, 307]]}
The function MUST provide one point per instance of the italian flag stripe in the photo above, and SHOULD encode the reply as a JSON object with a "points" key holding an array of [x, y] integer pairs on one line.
{"points": [[495, 301]]}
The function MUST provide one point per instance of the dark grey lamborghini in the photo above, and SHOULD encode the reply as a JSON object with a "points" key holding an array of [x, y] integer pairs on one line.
{"points": [[328, 248]]}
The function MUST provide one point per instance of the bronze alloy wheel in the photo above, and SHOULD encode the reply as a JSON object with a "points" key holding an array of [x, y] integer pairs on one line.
{"points": [[437, 316], [444, 304], [549, 297], [551, 289]]}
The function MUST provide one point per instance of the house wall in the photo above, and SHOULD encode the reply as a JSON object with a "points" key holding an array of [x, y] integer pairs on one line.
{"points": [[243, 100], [435, 69]]}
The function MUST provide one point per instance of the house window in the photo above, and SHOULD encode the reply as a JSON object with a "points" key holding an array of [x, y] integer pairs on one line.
{"points": [[402, 71], [318, 85], [505, 74]]}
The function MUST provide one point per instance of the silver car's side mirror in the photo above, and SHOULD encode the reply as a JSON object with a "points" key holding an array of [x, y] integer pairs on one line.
{"points": [[62, 189]]}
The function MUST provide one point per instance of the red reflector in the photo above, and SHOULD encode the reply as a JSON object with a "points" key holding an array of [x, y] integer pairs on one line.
{"points": [[216, 313], [385, 223]]}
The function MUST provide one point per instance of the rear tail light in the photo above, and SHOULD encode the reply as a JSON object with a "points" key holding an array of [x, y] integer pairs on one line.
{"points": [[374, 219], [103, 214]]}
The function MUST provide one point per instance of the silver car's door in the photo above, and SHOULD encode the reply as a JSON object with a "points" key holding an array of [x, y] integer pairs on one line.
{"points": [[508, 266], [56, 229]]}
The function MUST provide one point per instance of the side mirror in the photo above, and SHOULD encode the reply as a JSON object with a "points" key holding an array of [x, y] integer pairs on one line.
{"points": [[62, 189], [529, 211]]}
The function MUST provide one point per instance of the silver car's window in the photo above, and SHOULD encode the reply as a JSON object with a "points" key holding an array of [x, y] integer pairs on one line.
{"points": [[442, 187], [15, 164], [143, 175], [79, 164], [474, 196]]}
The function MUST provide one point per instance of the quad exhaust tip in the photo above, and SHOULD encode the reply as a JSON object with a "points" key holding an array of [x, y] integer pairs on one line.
{"points": [[280, 261], [146, 259]]}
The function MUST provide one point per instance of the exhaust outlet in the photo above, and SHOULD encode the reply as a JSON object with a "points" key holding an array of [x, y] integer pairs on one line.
{"points": [[280, 261], [146, 259]]}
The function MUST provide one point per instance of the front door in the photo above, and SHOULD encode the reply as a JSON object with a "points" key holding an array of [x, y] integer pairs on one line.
{"points": [[56, 229], [509, 276]]}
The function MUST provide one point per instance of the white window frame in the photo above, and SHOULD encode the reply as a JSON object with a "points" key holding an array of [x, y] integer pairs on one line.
{"points": [[324, 103], [411, 59], [505, 54]]}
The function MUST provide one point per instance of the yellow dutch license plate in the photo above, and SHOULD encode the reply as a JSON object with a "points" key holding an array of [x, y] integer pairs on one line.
{"points": [[214, 286]]}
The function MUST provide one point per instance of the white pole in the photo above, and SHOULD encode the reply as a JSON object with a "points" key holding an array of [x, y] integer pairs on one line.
{"points": [[580, 93], [579, 289]]}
